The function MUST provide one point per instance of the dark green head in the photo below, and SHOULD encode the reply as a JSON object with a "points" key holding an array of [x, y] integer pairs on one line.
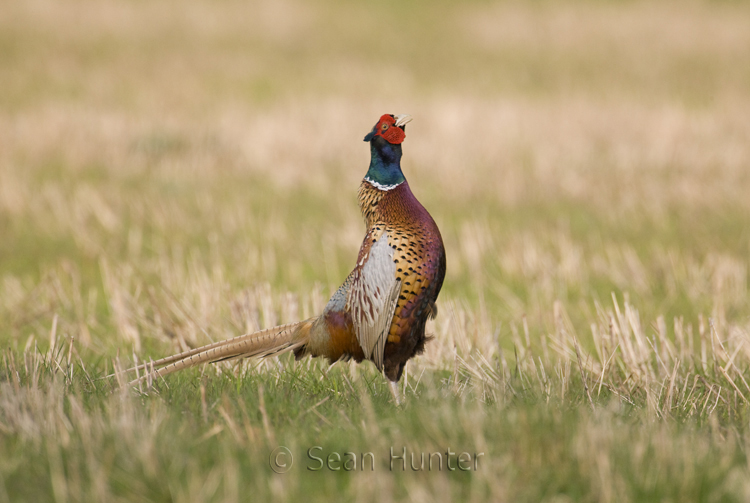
{"points": [[385, 151]]}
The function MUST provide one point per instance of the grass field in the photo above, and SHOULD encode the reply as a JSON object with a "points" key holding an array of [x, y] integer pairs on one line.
{"points": [[173, 173]]}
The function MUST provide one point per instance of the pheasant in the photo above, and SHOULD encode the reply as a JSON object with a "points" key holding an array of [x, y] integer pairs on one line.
{"points": [[379, 313]]}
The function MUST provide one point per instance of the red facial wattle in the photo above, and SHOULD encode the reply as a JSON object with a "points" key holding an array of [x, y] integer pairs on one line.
{"points": [[388, 130]]}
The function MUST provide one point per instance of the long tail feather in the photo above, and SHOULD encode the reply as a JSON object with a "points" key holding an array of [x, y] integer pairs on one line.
{"points": [[271, 341]]}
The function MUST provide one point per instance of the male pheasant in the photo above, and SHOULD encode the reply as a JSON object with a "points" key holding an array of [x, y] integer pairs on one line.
{"points": [[379, 313]]}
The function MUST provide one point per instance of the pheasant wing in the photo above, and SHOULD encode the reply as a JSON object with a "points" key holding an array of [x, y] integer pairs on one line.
{"points": [[372, 298]]}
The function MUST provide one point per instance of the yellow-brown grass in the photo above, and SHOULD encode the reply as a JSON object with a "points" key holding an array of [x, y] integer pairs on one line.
{"points": [[177, 173]]}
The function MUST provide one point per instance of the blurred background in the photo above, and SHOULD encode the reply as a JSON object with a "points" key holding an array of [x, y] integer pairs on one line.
{"points": [[173, 173], [568, 150]]}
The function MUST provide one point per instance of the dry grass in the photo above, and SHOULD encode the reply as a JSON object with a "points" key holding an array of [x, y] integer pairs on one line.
{"points": [[174, 173]]}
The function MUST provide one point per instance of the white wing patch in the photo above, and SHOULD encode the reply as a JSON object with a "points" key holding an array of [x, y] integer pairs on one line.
{"points": [[372, 299]]}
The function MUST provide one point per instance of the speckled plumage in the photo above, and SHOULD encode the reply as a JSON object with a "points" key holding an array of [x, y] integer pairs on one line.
{"points": [[419, 258], [380, 311]]}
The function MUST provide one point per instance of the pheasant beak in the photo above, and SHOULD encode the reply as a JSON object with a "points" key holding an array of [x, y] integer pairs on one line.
{"points": [[403, 119]]}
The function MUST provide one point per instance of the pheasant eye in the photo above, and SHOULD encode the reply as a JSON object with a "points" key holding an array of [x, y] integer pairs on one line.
{"points": [[384, 127]]}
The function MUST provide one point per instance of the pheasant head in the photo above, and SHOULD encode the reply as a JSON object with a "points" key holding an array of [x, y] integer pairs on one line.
{"points": [[385, 151], [391, 128]]}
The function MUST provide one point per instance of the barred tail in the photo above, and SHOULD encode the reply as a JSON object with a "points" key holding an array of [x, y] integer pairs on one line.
{"points": [[272, 341]]}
